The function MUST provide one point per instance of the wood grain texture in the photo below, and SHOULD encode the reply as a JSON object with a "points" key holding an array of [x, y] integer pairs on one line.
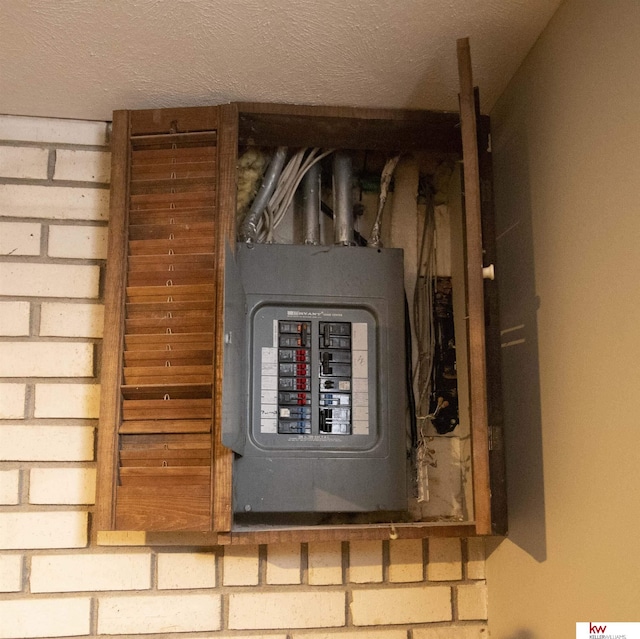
{"points": [[475, 295], [223, 457], [174, 507], [345, 129], [112, 344], [179, 120], [348, 533]]}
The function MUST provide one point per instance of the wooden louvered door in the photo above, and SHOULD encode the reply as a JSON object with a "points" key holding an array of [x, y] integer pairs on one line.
{"points": [[160, 297]]}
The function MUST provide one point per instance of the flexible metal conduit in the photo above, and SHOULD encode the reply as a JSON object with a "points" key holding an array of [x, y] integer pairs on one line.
{"points": [[249, 229], [342, 199], [311, 205]]}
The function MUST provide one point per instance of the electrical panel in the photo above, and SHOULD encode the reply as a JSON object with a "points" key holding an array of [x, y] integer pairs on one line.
{"points": [[314, 389]]}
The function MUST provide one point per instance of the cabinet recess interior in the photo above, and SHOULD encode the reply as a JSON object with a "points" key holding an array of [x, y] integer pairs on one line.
{"points": [[162, 469]]}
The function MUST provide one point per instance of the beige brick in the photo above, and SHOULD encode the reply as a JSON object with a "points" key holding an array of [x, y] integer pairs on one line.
{"points": [[472, 601], [283, 564], [54, 202], [265, 610], [9, 487], [19, 238], [357, 634], [186, 570], [385, 606], [14, 318], [81, 401], [405, 560], [325, 563], [59, 529], [253, 635], [452, 632], [164, 613], [49, 280], [10, 573], [59, 319], [26, 618], [121, 538], [365, 561], [76, 573], [62, 486], [46, 443], [23, 162], [475, 558], [80, 242], [11, 402], [445, 559], [83, 166], [46, 359], [240, 566], [32, 129]]}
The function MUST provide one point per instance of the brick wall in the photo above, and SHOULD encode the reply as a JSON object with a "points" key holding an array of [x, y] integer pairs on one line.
{"points": [[53, 214]]}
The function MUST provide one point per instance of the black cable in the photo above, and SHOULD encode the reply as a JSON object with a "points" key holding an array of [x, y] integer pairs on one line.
{"points": [[408, 349]]}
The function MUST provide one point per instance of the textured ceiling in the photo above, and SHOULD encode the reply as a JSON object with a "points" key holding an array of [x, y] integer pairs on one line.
{"points": [[85, 58]]}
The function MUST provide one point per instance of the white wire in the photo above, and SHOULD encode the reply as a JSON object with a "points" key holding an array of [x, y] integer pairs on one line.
{"points": [[280, 201], [423, 311], [425, 338]]}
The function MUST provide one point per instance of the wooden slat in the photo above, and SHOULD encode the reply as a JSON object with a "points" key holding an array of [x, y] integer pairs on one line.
{"points": [[199, 199], [163, 247], [147, 375], [161, 371], [158, 321], [165, 215], [168, 187], [147, 121], [167, 140], [164, 508], [165, 426], [167, 231], [175, 358], [176, 341], [182, 323], [140, 382], [179, 311], [166, 454], [161, 440], [171, 169], [475, 296], [165, 476], [162, 292], [183, 277], [137, 409], [168, 263], [176, 390], [151, 157]]}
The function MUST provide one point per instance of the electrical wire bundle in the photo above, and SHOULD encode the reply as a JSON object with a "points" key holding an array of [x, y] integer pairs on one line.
{"points": [[288, 182], [425, 338]]}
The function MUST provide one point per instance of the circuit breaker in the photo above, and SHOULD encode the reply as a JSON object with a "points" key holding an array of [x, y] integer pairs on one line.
{"points": [[314, 394]]}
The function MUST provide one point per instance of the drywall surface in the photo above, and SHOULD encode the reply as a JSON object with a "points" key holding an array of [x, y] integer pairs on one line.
{"points": [[84, 59], [566, 139]]}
